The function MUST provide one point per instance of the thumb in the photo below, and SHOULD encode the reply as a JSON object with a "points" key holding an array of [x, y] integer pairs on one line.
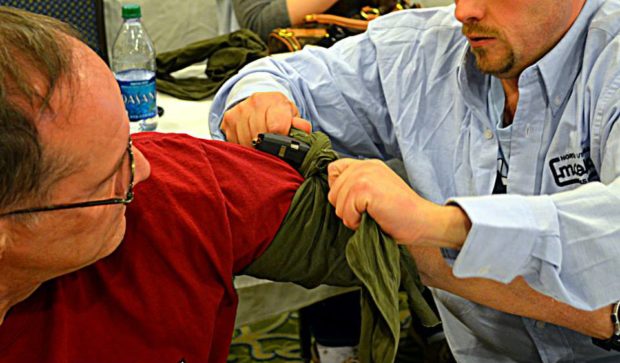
{"points": [[301, 124], [336, 168]]}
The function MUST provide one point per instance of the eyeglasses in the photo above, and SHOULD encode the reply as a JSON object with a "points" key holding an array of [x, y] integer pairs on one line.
{"points": [[128, 198]]}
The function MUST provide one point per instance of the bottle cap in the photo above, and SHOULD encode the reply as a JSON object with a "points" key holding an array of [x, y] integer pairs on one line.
{"points": [[131, 11]]}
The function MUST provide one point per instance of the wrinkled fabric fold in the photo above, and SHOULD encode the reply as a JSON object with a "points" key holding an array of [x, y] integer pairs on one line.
{"points": [[313, 247], [226, 55]]}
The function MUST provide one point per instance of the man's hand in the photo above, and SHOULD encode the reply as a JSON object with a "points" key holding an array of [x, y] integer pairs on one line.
{"points": [[359, 186], [268, 112]]}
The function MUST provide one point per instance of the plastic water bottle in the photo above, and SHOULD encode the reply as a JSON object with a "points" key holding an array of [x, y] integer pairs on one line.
{"points": [[133, 64]]}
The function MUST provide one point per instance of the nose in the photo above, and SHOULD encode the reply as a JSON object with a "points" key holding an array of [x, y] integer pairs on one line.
{"points": [[143, 167], [469, 11]]}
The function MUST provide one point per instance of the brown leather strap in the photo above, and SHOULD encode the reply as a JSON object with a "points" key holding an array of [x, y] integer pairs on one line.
{"points": [[336, 20]]}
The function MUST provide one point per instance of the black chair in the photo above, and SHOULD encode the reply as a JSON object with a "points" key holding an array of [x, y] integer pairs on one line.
{"points": [[84, 15]]}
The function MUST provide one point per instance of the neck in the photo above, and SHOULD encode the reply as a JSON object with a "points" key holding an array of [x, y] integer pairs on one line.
{"points": [[511, 93], [11, 296]]}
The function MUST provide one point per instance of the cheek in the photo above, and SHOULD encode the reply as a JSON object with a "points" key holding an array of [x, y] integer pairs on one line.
{"points": [[113, 233], [102, 233]]}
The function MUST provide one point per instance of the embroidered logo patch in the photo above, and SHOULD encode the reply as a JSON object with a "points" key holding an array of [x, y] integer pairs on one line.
{"points": [[573, 168]]}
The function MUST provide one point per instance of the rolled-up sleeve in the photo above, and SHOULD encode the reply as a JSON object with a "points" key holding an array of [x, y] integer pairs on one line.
{"points": [[337, 89], [566, 245]]}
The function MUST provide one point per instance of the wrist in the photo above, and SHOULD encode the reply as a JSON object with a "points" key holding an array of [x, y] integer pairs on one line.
{"points": [[605, 327], [449, 227], [610, 341]]}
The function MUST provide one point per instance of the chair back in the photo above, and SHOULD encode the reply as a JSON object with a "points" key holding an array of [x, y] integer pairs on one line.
{"points": [[84, 15]]}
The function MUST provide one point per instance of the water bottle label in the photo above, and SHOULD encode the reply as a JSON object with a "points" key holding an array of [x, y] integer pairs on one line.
{"points": [[139, 97]]}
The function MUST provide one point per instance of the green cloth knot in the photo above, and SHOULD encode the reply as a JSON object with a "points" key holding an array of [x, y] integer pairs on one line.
{"points": [[313, 247]]}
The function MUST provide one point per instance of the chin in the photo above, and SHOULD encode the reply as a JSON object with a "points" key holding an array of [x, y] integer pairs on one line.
{"points": [[497, 63], [109, 245]]}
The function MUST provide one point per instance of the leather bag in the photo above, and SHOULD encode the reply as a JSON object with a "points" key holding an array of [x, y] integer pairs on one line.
{"points": [[326, 29]]}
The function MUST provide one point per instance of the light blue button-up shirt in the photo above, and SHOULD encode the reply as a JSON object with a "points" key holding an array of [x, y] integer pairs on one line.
{"points": [[408, 88]]}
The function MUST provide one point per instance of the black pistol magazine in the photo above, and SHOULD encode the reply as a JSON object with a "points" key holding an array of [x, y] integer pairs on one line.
{"points": [[285, 147]]}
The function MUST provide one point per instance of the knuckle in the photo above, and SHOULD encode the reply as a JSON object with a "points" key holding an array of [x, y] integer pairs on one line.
{"points": [[253, 100], [277, 126], [364, 182], [332, 169], [227, 120]]}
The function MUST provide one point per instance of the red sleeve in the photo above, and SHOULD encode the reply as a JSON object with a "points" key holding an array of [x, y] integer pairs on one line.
{"points": [[251, 189], [166, 294]]}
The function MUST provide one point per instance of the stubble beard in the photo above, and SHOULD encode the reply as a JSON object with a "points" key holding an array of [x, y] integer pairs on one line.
{"points": [[498, 59], [501, 66]]}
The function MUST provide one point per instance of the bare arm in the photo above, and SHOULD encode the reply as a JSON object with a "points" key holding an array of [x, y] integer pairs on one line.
{"points": [[297, 9], [515, 298], [262, 16]]}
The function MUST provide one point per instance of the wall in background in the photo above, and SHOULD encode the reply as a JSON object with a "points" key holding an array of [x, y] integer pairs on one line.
{"points": [[174, 24], [171, 24]]}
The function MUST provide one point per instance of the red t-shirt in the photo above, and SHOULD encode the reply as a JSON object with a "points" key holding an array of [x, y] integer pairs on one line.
{"points": [[166, 294]]}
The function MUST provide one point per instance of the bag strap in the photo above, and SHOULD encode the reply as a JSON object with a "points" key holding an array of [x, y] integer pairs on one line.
{"points": [[336, 20]]}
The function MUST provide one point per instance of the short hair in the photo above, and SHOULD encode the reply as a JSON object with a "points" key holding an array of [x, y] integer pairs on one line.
{"points": [[31, 46]]}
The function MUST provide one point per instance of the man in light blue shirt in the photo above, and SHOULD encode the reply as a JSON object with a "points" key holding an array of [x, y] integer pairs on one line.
{"points": [[504, 114]]}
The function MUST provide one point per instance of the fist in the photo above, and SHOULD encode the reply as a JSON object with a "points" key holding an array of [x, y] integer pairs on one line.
{"points": [[264, 112]]}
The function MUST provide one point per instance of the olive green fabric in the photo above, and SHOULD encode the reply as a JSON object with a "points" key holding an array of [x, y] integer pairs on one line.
{"points": [[226, 55], [313, 247]]}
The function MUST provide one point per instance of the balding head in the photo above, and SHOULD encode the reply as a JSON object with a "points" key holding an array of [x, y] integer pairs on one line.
{"points": [[34, 56]]}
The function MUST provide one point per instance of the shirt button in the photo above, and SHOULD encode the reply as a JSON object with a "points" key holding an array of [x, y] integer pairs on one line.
{"points": [[528, 131], [540, 324], [488, 134], [557, 100]]}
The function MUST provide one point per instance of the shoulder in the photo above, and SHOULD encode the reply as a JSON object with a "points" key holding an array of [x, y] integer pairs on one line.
{"points": [[423, 43], [416, 24], [602, 50], [606, 17], [421, 19], [603, 32], [417, 34]]}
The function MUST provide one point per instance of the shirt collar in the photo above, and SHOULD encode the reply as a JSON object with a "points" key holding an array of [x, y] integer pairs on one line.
{"points": [[472, 83], [558, 68]]}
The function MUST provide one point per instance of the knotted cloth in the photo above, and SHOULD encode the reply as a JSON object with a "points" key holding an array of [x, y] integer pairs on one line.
{"points": [[330, 253]]}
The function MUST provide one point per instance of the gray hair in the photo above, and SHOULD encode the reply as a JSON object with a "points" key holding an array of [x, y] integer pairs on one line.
{"points": [[31, 46]]}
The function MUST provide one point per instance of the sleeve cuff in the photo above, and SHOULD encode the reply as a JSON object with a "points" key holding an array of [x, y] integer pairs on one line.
{"points": [[509, 236], [253, 83], [242, 89]]}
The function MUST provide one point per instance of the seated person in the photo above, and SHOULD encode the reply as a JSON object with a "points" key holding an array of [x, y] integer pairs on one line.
{"points": [[209, 210], [262, 16], [166, 293]]}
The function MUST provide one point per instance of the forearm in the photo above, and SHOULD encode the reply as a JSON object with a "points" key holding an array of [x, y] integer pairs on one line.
{"points": [[297, 9], [355, 102], [447, 227], [515, 298], [564, 245]]}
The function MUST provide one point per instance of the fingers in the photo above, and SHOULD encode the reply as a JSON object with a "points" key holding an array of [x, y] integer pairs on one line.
{"points": [[369, 186], [278, 119], [347, 192], [301, 124], [335, 169], [260, 113]]}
